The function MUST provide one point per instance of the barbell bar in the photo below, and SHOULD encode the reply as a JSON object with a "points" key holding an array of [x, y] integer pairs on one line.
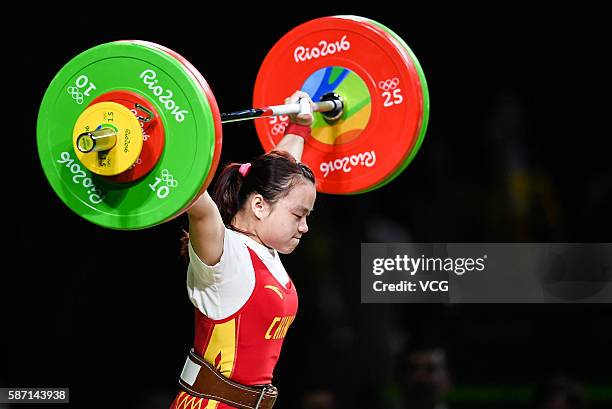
{"points": [[159, 115]]}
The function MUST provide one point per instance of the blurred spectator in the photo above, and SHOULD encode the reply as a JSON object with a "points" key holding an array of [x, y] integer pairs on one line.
{"points": [[318, 399], [423, 378], [558, 392]]}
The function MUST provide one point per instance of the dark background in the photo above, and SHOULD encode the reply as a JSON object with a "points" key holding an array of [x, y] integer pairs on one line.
{"points": [[516, 151]]}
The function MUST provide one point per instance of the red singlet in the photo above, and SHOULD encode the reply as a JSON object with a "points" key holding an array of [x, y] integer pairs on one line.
{"points": [[246, 345]]}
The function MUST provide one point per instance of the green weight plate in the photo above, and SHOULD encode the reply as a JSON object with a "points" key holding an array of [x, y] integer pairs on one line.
{"points": [[213, 104], [425, 92], [189, 127]]}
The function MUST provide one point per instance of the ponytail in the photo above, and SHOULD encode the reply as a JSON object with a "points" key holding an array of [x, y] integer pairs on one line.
{"points": [[226, 193]]}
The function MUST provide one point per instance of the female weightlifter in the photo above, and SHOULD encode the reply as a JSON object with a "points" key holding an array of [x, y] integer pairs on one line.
{"points": [[244, 299]]}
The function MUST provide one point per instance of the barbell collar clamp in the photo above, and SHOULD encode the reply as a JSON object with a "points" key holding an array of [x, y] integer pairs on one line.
{"points": [[150, 115]]}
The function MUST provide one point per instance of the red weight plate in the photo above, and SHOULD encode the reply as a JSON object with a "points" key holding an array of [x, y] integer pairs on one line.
{"points": [[152, 134], [213, 105], [411, 58], [392, 129]]}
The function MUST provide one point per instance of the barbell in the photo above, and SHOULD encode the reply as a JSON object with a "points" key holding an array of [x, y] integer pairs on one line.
{"points": [[129, 132]]}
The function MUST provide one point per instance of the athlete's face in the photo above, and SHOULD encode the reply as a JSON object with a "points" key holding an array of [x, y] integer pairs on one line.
{"points": [[283, 224]]}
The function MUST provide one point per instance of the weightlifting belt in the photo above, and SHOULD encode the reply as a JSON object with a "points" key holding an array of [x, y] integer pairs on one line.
{"points": [[201, 379]]}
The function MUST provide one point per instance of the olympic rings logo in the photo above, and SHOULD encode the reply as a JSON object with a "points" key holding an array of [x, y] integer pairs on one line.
{"points": [[76, 94], [169, 179], [278, 128], [388, 85]]}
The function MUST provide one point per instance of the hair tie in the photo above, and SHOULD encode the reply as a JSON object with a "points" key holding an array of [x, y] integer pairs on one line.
{"points": [[244, 169]]}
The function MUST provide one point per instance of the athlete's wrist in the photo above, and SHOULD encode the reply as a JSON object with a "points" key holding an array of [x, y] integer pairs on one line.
{"points": [[298, 129]]}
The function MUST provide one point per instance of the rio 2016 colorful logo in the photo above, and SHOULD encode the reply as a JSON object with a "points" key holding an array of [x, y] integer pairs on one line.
{"points": [[358, 105]]}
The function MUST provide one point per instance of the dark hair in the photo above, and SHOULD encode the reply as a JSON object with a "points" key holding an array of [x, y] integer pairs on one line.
{"points": [[272, 175]]}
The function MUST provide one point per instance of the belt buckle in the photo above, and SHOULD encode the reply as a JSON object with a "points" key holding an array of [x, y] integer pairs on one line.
{"points": [[261, 395]]}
